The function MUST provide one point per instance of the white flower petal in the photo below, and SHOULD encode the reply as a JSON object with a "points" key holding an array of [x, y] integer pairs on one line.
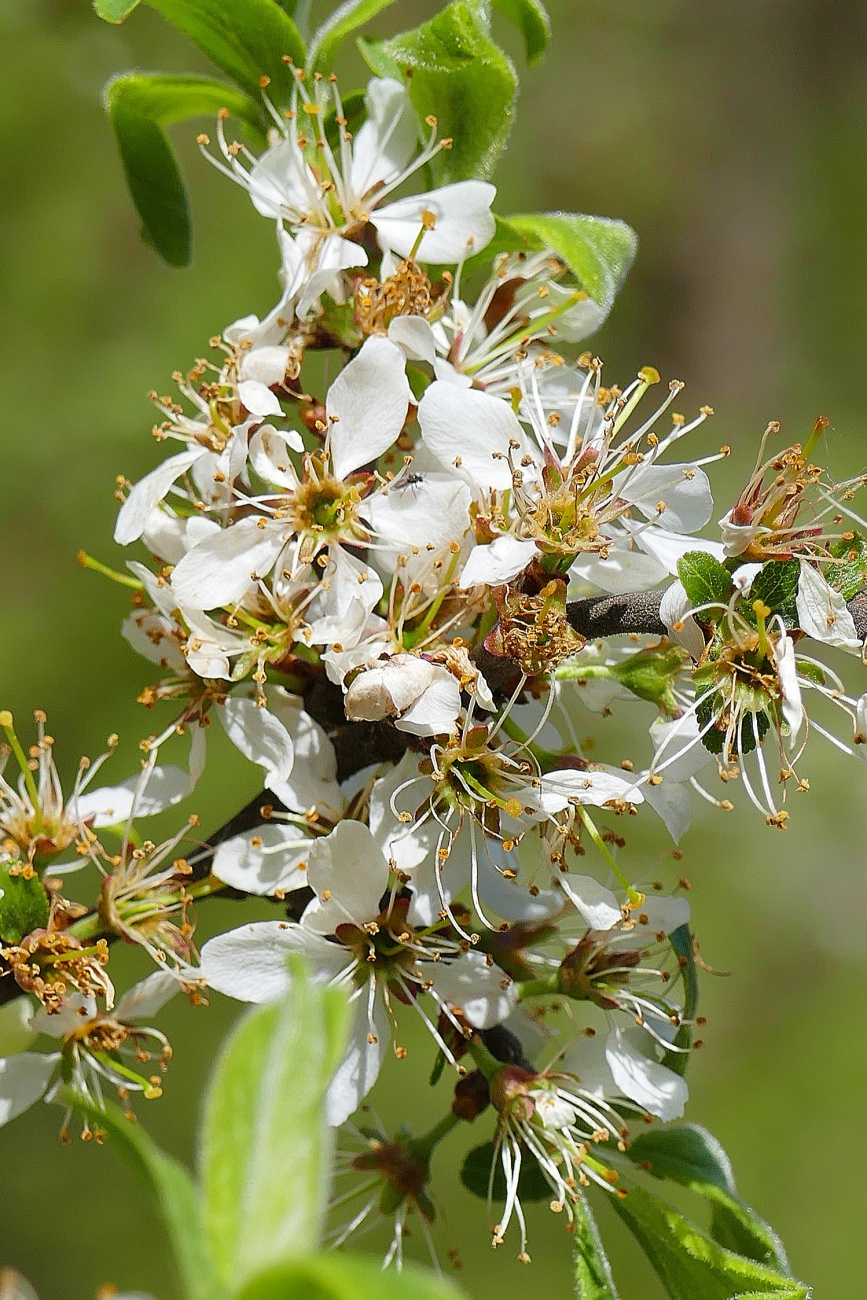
{"points": [[652, 1086], [23, 1080], [148, 493], [502, 560], [267, 365], [368, 401], [258, 399], [219, 570], [357, 1072], [345, 601], [313, 782], [251, 963], [683, 489], [387, 139], [598, 905], [787, 668], [464, 222], [147, 997], [260, 736], [623, 571], [263, 860], [466, 429], [269, 455], [674, 611], [559, 789], [822, 611], [415, 337], [349, 874], [481, 992]]}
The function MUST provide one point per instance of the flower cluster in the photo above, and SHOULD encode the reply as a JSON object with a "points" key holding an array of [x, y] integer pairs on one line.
{"points": [[393, 579]]}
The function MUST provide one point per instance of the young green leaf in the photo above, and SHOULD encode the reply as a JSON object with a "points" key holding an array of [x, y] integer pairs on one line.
{"points": [[704, 579], [23, 906], [247, 39], [460, 77], [264, 1145], [347, 1277], [114, 11], [597, 250], [849, 574], [172, 1188], [684, 950], [531, 18], [345, 20], [685, 1153], [476, 1176], [776, 583], [140, 105], [689, 1155], [689, 1263], [593, 1280]]}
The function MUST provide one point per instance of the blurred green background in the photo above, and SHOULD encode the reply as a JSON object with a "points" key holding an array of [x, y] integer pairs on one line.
{"points": [[733, 137]]}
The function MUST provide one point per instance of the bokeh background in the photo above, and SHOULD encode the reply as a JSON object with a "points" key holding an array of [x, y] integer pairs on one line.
{"points": [[733, 137]]}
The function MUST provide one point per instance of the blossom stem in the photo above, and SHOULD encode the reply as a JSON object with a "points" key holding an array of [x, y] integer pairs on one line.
{"points": [[125, 579], [7, 723], [422, 1147], [632, 894], [545, 986]]}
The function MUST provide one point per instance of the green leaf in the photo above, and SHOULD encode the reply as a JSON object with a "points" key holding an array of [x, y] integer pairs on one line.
{"points": [[849, 575], [265, 1148], [345, 20], [776, 584], [172, 1189], [685, 1153], [114, 11], [458, 75], [533, 22], [23, 906], [593, 1280], [247, 39], [476, 1174], [704, 579], [598, 251], [689, 1155], [347, 1277], [689, 1263], [140, 105], [682, 944]]}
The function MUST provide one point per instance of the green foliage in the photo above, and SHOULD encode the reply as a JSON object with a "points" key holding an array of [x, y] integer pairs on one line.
{"points": [[704, 579], [776, 584], [345, 20], [23, 906], [533, 22], [265, 1149], [849, 574], [593, 1280], [114, 11], [246, 39], [689, 1155], [140, 105], [684, 949], [458, 75], [692, 1264], [598, 251], [476, 1176], [347, 1277], [173, 1191]]}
